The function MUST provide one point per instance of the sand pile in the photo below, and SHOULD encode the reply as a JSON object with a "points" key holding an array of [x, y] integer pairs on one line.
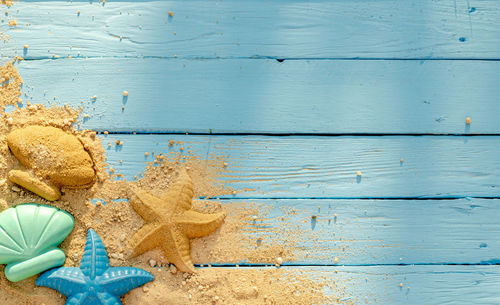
{"points": [[104, 206]]}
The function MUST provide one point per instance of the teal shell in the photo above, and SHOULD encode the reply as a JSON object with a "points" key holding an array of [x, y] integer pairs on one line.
{"points": [[29, 236]]}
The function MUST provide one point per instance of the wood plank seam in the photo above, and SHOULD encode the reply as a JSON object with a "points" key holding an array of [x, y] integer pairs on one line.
{"points": [[289, 264], [289, 134], [358, 198], [262, 57]]}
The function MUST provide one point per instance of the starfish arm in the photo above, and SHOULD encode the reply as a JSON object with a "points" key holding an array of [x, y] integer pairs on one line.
{"points": [[106, 298], [120, 280], [145, 239], [66, 280], [180, 194], [177, 249], [95, 258], [77, 299], [145, 204], [194, 224]]}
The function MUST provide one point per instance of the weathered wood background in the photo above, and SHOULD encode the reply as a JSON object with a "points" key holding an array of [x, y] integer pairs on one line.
{"points": [[298, 96]]}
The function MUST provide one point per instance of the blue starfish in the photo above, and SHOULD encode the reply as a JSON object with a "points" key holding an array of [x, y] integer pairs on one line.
{"points": [[95, 282]]}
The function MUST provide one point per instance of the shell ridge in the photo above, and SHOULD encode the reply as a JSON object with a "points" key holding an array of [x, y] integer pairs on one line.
{"points": [[32, 233], [18, 222], [10, 249], [54, 213], [12, 239], [62, 223], [29, 236]]}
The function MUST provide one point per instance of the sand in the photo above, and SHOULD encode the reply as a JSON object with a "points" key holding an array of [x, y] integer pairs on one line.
{"points": [[10, 85], [104, 207], [7, 2]]}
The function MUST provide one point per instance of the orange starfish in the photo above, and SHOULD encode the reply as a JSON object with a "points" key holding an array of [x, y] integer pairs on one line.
{"points": [[170, 223]]}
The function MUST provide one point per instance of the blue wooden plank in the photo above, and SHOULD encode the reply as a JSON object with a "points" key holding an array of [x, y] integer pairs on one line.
{"points": [[257, 28], [290, 167], [465, 285], [376, 231], [358, 232], [421, 284], [265, 96]]}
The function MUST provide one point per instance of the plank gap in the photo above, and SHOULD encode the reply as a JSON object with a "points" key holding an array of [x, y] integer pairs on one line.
{"points": [[212, 265], [280, 60], [353, 198], [298, 134]]}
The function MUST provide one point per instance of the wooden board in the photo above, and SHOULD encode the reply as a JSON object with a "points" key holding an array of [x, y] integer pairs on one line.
{"points": [[308, 67], [325, 167], [250, 28], [265, 96], [374, 232], [476, 285]]}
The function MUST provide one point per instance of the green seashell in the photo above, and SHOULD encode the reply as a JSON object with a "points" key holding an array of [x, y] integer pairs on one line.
{"points": [[29, 236]]}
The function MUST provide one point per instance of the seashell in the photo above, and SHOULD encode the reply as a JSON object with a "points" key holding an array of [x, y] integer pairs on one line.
{"points": [[52, 154], [29, 236]]}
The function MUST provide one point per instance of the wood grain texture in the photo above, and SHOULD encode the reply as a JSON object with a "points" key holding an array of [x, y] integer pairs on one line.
{"points": [[375, 232], [290, 167], [265, 96], [458, 285], [277, 29], [133, 47]]}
